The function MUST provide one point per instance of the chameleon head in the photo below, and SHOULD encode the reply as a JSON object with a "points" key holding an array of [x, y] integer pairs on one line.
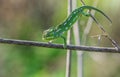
{"points": [[48, 34]]}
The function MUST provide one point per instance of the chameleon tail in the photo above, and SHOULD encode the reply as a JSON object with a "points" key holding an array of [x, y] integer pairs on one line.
{"points": [[93, 8]]}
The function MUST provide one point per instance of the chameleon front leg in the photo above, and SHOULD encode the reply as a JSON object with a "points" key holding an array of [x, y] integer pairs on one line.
{"points": [[65, 41]]}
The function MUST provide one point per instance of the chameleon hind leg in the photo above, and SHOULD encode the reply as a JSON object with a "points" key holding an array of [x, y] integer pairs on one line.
{"points": [[93, 8], [89, 14], [86, 13]]}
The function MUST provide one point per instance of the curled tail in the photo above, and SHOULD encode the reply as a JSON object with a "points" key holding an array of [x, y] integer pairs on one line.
{"points": [[93, 8]]}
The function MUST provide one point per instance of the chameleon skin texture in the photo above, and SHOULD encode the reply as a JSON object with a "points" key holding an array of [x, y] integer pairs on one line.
{"points": [[58, 31]]}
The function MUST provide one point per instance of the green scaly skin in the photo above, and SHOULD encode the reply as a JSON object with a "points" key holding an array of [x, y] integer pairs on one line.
{"points": [[54, 33]]}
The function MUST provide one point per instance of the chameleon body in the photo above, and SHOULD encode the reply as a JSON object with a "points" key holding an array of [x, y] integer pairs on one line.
{"points": [[58, 31]]}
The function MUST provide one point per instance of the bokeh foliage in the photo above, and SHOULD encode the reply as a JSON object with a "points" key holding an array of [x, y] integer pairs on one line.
{"points": [[27, 19]]}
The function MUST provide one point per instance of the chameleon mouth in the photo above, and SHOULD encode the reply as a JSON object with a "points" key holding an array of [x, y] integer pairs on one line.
{"points": [[45, 37], [48, 38]]}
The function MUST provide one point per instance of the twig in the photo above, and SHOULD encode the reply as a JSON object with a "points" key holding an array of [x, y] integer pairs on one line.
{"points": [[82, 2], [107, 35], [58, 46], [104, 31]]}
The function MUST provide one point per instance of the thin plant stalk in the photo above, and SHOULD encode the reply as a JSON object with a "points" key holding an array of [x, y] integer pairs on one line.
{"points": [[69, 52], [77, 42], [89, 23]]}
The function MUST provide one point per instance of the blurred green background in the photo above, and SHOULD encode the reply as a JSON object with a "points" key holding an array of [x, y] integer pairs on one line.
{"points": [[27, 19]]}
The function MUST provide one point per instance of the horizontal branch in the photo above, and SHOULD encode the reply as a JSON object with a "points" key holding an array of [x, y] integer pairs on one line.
{"points": [[58, 46]]}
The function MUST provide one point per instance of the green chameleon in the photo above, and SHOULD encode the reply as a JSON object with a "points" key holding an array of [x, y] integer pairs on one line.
{"points": [[56, 32]]}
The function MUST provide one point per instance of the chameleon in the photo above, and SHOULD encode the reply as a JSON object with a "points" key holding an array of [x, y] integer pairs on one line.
{"points": [[58, 31]]}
